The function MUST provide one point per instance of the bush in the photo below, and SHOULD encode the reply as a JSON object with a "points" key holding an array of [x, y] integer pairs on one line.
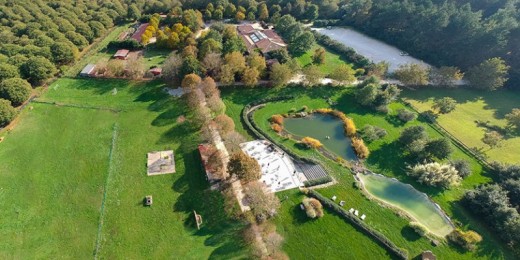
{"points": [[345, 52], [15, 90], [350, 127], [311, 142], [429, 116], [7, 112], [418, 228], [405, 115], [277, 128], [360, 148], [318, 181], [371, 133], [313, 208], [129, 44], [465, 239], [435, 174], [463, 168], [277, 119]]}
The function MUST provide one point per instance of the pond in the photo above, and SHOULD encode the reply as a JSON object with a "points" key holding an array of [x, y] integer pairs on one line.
{"points": [[369, 47], [403, 196], [320, 127]]}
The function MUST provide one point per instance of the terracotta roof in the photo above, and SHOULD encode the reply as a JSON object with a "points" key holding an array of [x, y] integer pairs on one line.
{"points": [[204, 150], [245, 29], [428, 255], [265, 40], [272, 34], [139, 32]]}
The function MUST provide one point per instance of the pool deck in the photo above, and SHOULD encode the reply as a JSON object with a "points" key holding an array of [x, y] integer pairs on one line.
{"points": [[279, 171]]}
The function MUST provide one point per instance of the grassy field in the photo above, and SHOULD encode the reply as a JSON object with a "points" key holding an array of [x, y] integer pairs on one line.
{"points": [[474, 105], [332, 60], [62, 162], [385, 159]]}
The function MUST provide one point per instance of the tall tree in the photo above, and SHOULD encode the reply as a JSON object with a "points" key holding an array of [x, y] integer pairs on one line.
{"points": [[489, 75]]}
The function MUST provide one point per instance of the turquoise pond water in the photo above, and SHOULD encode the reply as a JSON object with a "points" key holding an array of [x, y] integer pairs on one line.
{"points": [[320, 126], [408, 199]]}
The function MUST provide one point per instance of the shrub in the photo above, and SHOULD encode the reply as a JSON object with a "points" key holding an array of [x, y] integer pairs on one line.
{"points": [[15, 90], [304, 108], [7, 112], [129, 44], [277, 119], [465, 239], [463, 168], [429, 116], [360, 148], [350, 127], [311, 142], [371, 133], [245, 167], [405, 115], [435, 174], [277, 128], [313, 207], [318, 181], [418, 228]]}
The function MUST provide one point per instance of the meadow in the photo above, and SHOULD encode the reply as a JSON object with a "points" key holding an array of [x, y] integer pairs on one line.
{"points": [[332, 60], [474, 105], [385, 159], [73, 178]]}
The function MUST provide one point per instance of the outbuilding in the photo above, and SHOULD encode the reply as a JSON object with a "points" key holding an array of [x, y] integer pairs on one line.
{"points": [[121, 54], [88, 71], [156, 71]]}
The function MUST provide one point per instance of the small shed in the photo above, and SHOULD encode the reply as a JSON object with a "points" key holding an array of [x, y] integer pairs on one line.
{"points": [[148, 200], [156, 71], [88, 71], [121, 54]]}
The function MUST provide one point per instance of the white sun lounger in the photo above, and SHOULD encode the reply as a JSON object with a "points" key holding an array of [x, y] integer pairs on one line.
{"points": [[356, 213], [342, 203], [363, 217], [351, 210], [334, 198]]}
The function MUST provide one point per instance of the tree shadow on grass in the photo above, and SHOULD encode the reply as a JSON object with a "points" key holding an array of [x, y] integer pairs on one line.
{"points": [[409, 234]]}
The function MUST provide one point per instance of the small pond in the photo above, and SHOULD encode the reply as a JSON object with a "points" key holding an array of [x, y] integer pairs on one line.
{"points": [[320, 127], [408, 199]]}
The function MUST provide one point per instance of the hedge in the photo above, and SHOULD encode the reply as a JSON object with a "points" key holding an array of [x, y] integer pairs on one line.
{"points": [[345, 52], [382, 239], [325, 23], [125, 44], [318, 181]]}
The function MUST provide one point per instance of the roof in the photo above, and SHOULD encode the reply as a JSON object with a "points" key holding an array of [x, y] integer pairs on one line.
{"points": [[139, 32], [88, 69], [428, 255], [204, 150], [121, 53], [157, 69], [256, 37]]}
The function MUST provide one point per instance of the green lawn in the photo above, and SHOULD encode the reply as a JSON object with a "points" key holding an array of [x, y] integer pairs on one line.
{"points": [[155, 56], [332, 60], [385, 159], [474, 105], [56, 165]]}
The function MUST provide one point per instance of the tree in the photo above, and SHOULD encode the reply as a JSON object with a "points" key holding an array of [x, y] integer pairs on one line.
{"points": [[445, 105], [171, 67], [412, 74], [280, 74], [209, 87], [371, 133], [367, 95], [313, 75], [319, 56], [439, 148], [250, 77], [302, 43], [134, 68], [263, 204], [239, 16], [492, 138], [405, 115], [311, 142], [263, 13], [218, 15], [15, 90], [210, 46], [313, 207], [244, 167], [212, 62], [445, 76], [190, 82], [256, 61], [360, 148], [230, 10], [463, 168], [413, 134], [115, 68], [488, 75], [311, 12], [233, 140], [192, 19], [133, 12], [236, 61], [344, 74], [216, 105], [190, 65], [227, 74], [435, 174], [8, 71], [7, 112], [225, 124], [513, 118], [37, 69], [379, 69], [281, 55]]}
